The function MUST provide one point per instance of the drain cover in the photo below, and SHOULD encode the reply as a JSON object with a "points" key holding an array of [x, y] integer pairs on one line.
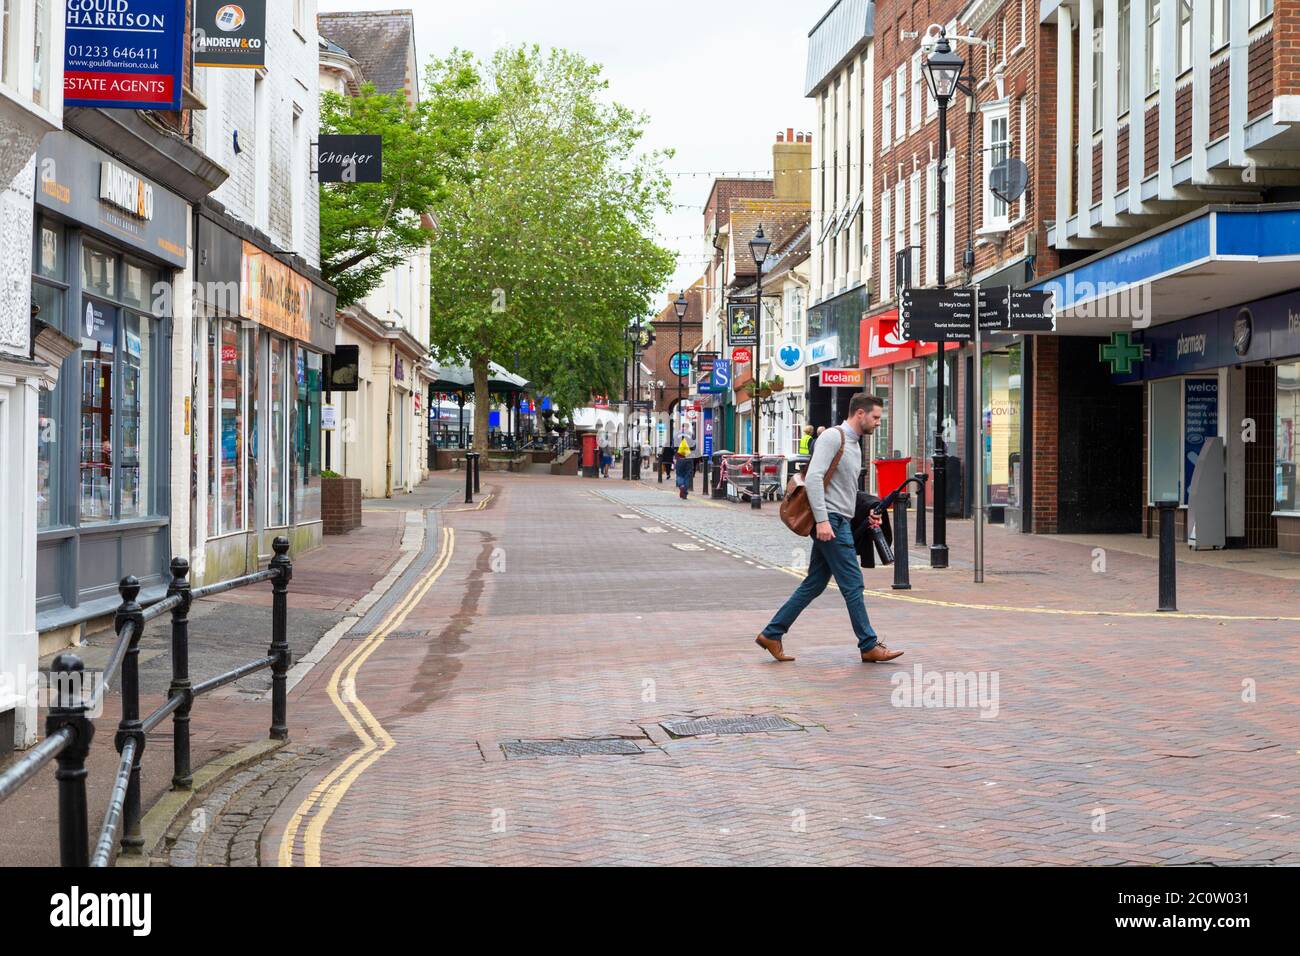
{"points": [[728, 725], [569, 748]]}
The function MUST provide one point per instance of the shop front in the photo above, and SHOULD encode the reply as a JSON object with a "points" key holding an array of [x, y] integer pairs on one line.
{"points": [[1233, 373], [261, 331], [108, 245]]}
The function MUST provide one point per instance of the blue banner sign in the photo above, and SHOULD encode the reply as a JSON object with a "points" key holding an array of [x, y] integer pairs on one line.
{"points": [[124, 54]]}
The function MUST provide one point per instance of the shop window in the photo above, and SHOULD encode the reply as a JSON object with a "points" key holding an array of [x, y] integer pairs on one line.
{"points": [[225, 447], [880, 440], [1002, 427], [139, 364], [1165, 426], [98, 271], [277, 512], [1288, 417], [49, 299], [932, 404], [256, 343], [306, 437]]}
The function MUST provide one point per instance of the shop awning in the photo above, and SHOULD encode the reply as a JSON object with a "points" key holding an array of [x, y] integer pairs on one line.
{"points": [[455, 378], [1210, 259]]}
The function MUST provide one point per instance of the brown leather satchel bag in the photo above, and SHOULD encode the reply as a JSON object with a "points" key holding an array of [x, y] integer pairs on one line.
{"points": [[796, 509]]}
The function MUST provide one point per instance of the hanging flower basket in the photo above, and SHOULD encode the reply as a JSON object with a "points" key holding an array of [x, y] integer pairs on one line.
{"points": [[777, 384]]}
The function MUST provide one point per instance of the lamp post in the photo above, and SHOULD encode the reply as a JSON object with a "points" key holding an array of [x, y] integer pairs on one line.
{"points": [[680, 307], [758, 248], [942, 70]]}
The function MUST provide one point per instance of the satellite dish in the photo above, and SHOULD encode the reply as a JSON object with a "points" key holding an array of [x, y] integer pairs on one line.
{"points": [[1008, 179]]}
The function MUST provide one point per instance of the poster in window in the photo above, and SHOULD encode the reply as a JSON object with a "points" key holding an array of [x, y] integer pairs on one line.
{"points": [[1201, 421]]}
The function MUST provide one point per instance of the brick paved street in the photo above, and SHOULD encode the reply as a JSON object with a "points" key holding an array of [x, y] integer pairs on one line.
{"points": [[1110, 739]]}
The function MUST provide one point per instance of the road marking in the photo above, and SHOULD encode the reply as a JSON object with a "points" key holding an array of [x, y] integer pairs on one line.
{"points": [[375, 740], [478, 507], [1068, 612]]}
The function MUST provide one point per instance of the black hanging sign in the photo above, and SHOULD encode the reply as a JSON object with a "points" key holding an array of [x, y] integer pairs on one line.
{"points": [[927, 315], [345, 158]]}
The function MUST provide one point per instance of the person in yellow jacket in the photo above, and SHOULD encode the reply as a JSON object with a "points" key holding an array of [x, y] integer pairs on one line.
{"points": [[805, 443]]}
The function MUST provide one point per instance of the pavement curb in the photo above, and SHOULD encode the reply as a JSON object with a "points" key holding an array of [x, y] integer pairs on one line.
{"points": [[160, 817]]}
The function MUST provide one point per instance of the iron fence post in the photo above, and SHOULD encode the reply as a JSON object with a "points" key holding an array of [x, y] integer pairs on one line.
{"points": [[69, 710], [130, 727], [280, 638], [182, 777]]}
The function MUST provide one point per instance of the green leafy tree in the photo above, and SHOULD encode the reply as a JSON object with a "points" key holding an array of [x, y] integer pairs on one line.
{"points": [[368, 228], [541, 251]]}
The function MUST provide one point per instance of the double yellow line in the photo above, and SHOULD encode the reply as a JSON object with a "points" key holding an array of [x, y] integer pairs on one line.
{"points": [[375, 740]]}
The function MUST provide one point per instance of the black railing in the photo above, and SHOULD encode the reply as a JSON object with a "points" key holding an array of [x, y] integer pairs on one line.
{"points": [[69, 730]]}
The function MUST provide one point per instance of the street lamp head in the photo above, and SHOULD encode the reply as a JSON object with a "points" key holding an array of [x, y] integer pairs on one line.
{"points": [[943, 69], [758, 247], [681, 305]]}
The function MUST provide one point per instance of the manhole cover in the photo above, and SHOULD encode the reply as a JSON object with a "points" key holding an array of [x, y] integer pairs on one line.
{"points": [[728, 725], [569, 748]]}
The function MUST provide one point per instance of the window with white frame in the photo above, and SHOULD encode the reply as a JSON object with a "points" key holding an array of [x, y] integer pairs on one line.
{"points": [[900, 228], [950, 214], [995, 151], [1220, 23], [914, 235], [1098, 61], [1153, 45], [900, 102], [931, 218], [1184, 49], [1259, 9], [918, 89], [794, 311], [886, 113], [1024, 149], [1003, 50], [1124, 73], [886, 259]]}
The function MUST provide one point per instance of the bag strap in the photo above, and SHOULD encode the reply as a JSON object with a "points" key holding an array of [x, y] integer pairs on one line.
{"points": [[830, 472]]}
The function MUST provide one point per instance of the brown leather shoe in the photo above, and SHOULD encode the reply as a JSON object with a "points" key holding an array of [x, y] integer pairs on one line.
{"points": [[879, 654], [773, 647]]}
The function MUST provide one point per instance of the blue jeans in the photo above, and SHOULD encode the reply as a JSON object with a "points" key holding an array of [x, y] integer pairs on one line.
{"points": [[836, 557]]}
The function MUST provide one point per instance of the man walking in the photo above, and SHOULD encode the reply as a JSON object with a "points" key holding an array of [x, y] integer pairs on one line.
{"points": [[834, 553]]}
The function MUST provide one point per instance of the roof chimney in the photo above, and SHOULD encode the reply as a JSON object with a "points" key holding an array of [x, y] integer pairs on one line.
{"points": [[791, 162]]}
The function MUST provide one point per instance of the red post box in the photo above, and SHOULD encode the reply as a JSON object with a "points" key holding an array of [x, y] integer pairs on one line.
{"points": [[890, 473]]}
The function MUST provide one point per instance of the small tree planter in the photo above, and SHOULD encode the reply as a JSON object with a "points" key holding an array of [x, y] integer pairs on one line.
{"points": [[340, 504]]}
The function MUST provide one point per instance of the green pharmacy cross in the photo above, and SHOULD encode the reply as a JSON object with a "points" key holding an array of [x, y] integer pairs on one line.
{"points": [[1121, 353]]}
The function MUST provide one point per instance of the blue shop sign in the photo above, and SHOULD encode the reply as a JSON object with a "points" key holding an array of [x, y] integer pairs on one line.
{"points": [[1252, 332], [124, 54]]}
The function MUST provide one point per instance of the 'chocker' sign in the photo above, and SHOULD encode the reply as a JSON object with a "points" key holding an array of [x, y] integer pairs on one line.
{"points": [[350, 159]]}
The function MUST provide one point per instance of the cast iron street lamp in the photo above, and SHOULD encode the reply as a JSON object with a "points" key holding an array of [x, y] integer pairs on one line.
{"points": [[942, 70], [679, 307], [758, 248]]}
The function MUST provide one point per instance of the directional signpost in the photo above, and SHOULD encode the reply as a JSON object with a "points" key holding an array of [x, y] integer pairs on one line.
{"points": [[933, 315]]}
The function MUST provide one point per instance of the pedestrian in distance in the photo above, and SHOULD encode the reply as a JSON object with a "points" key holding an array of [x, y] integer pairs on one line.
{"points": [[834, 554], [685, 469]]}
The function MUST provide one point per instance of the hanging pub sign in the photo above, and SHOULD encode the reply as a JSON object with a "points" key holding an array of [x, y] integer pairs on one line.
{"points": [[230, 34], [124, 54], [342, 369], [346, 158], [742, 323]]}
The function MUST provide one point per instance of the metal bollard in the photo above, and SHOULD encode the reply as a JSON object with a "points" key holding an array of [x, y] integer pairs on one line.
{"points": [[920, 517], [627, 464], [659, 469], [69, 710], [130, 727], [280, 638], [756, 497], [704, 465], [182, 777], [1168, 580], [478, 456], [902, 581], [469, 480]]}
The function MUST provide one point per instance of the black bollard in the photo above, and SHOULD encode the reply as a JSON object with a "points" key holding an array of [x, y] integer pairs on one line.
{"points": [[182, 777], [280, 638], [131, 614], [704, 465], [469, 479], [477, 459], [902, 582], [920, 517], [1168, 581]]}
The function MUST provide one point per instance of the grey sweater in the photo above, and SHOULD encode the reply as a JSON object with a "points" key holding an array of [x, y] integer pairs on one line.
{"points": [[841, 495]]}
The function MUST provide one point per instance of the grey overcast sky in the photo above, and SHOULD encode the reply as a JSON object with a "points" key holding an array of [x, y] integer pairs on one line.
{"points": [[717, 78]]}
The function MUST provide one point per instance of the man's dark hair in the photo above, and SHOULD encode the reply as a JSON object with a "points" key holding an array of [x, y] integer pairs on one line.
{"points": [[862, 402]]}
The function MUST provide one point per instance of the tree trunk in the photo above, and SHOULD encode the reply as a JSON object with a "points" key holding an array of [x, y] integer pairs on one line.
{"points": [[480, 367]]}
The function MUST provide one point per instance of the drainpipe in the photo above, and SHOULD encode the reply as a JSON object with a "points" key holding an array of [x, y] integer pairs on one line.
{"points": [[388, 431]]}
